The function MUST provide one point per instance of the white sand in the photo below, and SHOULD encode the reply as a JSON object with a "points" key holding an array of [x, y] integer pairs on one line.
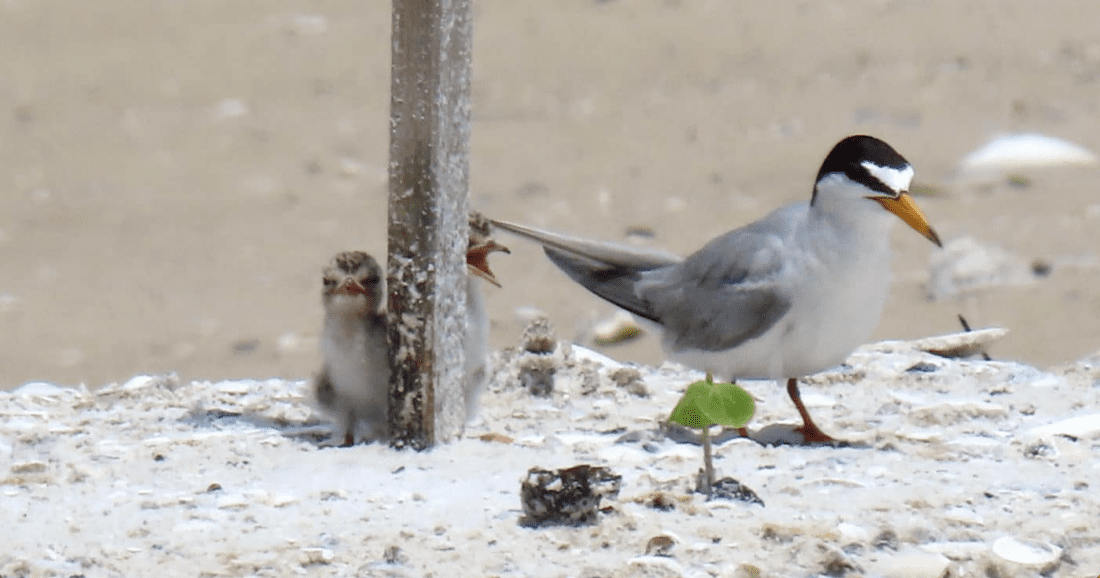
{"points": [[970, 468]]}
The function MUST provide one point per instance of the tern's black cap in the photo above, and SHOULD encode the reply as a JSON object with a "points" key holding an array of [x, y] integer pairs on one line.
{"points": [[848, 156]]}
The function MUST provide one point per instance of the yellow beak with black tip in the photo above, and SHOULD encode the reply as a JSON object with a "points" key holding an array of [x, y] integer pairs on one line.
{"points": [[905, 209]]}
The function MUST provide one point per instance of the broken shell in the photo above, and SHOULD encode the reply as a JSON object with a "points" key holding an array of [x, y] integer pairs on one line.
{"points": [[619, 329], [495, 437], [317, 555], [1082, 426], [957, 345], [660, 545]]}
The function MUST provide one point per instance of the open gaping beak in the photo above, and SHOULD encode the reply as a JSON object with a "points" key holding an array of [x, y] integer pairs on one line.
{"points": [[350, 287], [905, 209], [477, 261]]}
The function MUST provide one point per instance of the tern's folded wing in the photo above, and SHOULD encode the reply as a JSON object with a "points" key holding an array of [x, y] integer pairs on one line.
{"points": [[723, 295]]}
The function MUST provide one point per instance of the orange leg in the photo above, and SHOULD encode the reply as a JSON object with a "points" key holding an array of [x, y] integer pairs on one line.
{"points": [[349, 433], [809, 429]]}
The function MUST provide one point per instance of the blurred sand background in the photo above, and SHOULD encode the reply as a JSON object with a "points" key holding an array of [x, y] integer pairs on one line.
{"points": [[174, 174]]}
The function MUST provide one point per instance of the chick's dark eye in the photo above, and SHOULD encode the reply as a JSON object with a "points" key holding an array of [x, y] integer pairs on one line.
{"points": [[329, 281], [372, 280]]}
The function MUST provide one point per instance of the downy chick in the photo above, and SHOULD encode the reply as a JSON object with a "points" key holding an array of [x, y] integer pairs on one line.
{"points": [[353, 385], [477, 318]]}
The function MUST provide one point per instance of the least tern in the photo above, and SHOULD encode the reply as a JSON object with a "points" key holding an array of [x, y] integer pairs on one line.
{"points": [[781, 298], [353, 386], [481, 243]]}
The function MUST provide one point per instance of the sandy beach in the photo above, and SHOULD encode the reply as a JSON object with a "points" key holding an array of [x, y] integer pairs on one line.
{"points": [[955, 468], [172, 178]]}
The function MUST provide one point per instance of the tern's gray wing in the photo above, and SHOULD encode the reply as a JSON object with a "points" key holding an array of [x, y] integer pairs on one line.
{"points": [[727, 292]]}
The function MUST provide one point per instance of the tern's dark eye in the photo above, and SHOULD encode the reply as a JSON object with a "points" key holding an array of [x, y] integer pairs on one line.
{"points": [[372, 280], [329, 281]]}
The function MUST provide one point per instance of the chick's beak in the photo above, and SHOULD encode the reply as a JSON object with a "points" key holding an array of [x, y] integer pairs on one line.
{"points": [[905, 209], [477, 261], [350, 287]]}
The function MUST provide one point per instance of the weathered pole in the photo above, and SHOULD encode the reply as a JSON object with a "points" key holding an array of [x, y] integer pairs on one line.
{"points": [[428, 191]]}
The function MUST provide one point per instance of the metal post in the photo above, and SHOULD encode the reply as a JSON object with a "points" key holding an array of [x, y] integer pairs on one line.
{"points": [[429, 169]]}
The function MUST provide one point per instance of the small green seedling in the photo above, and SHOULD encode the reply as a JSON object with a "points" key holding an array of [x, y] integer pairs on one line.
{"points": [[706, 403]]}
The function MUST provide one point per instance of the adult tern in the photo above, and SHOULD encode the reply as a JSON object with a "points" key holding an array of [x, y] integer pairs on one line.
{"points": [[780, 298]]}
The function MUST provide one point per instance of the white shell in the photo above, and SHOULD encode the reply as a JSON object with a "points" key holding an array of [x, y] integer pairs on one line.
{"points": [[318, 555], [1027, 553], [38, 389], [1024, 151], [913, 563], [1082, 426]]}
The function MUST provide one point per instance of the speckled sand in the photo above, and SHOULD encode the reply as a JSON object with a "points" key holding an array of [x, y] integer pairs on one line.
{"points": [[961, 468]]}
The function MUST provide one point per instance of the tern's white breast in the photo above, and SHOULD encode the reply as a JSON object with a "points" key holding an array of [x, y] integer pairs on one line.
{"points": [[838, 278]]}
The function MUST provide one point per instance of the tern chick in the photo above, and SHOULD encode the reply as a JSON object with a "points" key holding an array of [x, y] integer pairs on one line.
{"points": [[477, 317], [353, 385]]}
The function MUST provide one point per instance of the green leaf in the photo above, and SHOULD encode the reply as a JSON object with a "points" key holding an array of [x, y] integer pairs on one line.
{"points": [[705, 404], [729, 405], [687, 411]]}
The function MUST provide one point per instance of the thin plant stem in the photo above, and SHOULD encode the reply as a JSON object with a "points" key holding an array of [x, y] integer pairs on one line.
{"points": [[708, 466]]}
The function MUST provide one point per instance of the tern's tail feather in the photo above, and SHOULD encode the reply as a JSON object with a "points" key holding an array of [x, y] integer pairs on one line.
{"points": [[610, 253], [607, 280], [610, 270]]}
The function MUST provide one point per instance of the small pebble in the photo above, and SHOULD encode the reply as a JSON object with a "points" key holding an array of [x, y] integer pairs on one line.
{"points": [[640, 231], [922, 367], [1041, 268], [245, 346], [394, 555], [731, 489], [660, 501], [660, 545]]}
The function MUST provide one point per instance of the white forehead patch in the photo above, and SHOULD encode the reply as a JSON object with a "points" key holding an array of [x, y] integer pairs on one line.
{"points": [[897, 179]]}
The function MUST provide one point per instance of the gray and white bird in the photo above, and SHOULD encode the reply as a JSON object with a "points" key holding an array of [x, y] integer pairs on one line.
{"points": [[781, 298], [353, 385], [481, 244]]}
